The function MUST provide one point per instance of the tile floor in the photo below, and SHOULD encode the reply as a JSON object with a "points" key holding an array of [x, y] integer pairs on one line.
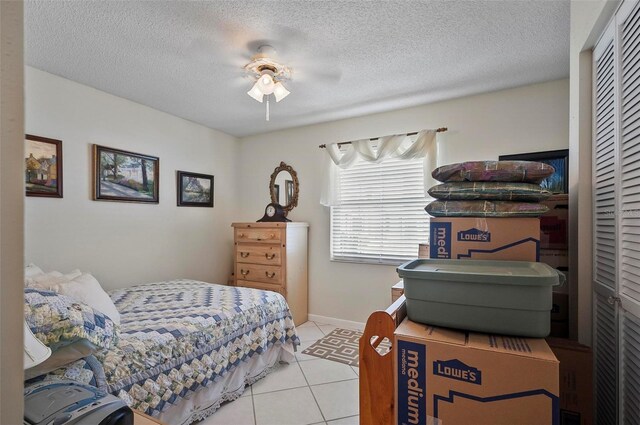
{"points": [[309, 391]]}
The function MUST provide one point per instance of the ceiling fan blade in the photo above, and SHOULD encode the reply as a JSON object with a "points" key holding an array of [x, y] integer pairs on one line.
{"points": [[306, 73]]}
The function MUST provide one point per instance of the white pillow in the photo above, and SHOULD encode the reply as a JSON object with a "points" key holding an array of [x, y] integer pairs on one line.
{"points": [[31, 270], [86, 289], [51, 280]]}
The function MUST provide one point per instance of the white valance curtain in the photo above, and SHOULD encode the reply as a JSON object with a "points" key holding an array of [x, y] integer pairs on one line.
{"points": [[395, 146]]}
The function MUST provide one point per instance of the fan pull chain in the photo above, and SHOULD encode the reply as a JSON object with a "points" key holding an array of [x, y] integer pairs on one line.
{"points": [[267, 117]]}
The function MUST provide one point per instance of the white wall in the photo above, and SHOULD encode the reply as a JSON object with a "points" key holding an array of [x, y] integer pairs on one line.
{"points": [[127, 243], [525, 119]]}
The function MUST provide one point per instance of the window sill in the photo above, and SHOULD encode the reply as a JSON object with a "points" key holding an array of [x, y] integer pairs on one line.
{"points": [[394, 263]]}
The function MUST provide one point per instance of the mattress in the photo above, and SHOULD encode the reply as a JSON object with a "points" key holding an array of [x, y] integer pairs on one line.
{"points": [[181, 338]]}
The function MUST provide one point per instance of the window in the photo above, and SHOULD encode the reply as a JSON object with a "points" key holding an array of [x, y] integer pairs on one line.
{"points": [[381, 218]]}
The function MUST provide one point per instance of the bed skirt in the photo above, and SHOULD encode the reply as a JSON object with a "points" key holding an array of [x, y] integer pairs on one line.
{"points": [[204, 402]]}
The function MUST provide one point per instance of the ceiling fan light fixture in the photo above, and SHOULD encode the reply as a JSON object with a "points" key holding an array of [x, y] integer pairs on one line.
{"points": [[265, 84], [256, 93], [280, 91]]}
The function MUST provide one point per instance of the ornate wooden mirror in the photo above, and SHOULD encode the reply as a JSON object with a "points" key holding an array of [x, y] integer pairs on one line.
{"points": [[284, 187]]}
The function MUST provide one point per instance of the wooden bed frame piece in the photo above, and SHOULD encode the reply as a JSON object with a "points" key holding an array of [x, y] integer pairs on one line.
{"points": [[376, 371]]}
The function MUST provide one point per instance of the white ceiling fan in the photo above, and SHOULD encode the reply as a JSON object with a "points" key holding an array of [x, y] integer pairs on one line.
{"points": [[232, 44], [269, 76]]}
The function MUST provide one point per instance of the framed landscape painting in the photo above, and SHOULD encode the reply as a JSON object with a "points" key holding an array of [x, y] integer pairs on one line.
{"points": [[195, 190], [43, 166], [125, 176], [559, 181]]}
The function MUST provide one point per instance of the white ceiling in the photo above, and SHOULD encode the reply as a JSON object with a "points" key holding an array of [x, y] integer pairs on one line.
{"points": [[185, 58]]}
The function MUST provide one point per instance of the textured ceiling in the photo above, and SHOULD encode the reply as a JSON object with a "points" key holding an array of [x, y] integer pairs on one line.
{"points": [[348, 58]]}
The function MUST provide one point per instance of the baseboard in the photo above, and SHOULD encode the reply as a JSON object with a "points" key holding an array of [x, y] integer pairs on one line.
{"points": [[336, 322]]}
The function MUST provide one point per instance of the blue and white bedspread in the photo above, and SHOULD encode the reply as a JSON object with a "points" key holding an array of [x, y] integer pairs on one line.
{"points": [[179, 336]]}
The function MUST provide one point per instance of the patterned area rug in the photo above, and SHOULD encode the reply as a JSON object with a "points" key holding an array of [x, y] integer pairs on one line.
{"points": [[341, 345]]}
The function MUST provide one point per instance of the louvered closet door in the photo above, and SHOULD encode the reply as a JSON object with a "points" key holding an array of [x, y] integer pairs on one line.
{"points": [[628, 21], [630, 368], [605, 234]]}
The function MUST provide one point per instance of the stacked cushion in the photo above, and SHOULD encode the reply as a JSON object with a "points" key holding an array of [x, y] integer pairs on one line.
{"points": [[490, 189], [494, 171], [485, 209], [496, 191]]}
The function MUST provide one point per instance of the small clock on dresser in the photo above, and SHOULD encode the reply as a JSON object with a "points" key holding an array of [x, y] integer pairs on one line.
{"points": [[274, 212]]}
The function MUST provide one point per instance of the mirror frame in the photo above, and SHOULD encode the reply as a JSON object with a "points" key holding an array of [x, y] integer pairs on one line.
{"points": [[296, 186]]}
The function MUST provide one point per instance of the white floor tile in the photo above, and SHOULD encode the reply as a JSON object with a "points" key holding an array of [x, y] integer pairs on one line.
{"points": [[309, 333], [290, 407], [352, 420], [356, 369], [285, 377], [237, 412], [327, 328], [306, 324], [304, 357], [324, 371], [338, 399]]}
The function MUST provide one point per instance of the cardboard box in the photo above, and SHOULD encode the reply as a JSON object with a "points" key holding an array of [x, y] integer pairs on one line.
{"points": [[485, 238], [423, 250], [560, 316], [556, 258], [449, 377], [576, 381], [554, 225], [397, 290]]}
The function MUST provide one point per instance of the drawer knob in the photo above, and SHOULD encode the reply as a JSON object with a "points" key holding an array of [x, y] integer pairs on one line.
{"points": [[244, 254], [269, 256], [270, 276], [244, 272], [272, 235], [241, 235]]}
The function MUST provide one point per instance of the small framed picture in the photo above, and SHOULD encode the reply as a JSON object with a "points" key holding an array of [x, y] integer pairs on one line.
{"points": [[559, 181], [125, 176], [195, 190], [43, 166]]}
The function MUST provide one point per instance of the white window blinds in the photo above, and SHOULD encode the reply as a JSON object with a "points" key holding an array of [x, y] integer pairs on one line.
{"points": [[381, 218]]}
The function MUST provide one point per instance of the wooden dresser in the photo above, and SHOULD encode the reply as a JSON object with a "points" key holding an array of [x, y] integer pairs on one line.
{"points": [[273, 256]]}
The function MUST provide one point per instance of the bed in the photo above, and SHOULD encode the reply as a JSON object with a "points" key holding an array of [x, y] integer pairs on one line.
{"points": [[186, 346]]}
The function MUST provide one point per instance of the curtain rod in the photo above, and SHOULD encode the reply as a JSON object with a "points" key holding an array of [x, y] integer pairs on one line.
{"points": [[439, 130]]}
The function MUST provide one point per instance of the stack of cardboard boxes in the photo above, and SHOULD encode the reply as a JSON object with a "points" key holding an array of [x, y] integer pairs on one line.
{"points": [[469, 377], [450, 376]]}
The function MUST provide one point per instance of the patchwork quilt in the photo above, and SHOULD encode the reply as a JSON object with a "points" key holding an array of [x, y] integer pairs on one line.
{"points": [[179, 336]]}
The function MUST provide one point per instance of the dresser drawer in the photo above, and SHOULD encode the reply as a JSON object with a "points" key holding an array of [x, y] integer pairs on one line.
{"points": [[259, 273], [267, 254], [261, 285], [258, 235]]}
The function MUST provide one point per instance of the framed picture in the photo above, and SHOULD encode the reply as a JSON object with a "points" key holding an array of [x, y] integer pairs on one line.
{"points": [[195, 190], [288, 184], [559, 181], [43, 166], [125, 176]]}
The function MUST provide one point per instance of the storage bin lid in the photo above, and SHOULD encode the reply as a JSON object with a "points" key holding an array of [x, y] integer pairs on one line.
{"points": [[482, 271]]}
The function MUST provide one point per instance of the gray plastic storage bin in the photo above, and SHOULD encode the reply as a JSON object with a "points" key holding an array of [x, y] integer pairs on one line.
{"points": [[506, 297]]}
